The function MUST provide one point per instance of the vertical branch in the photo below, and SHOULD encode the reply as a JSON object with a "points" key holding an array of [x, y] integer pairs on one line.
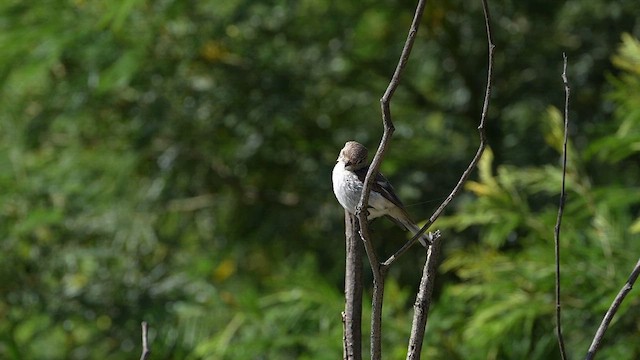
{"points": [[423, 299], [352, 315], [145, 342], [595, 344], [376, 316], [481, 146], [378, 293], [563, 197], [361, 213]]}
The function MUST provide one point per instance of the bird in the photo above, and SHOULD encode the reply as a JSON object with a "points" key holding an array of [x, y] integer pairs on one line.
{"points": [[348, 180]]}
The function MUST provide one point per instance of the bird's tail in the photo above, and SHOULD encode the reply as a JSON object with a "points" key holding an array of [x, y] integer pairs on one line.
{"points": [[424, 239], [405, 222]]}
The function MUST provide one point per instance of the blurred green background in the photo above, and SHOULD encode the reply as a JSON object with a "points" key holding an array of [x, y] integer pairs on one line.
{"points": [[170, 161]]}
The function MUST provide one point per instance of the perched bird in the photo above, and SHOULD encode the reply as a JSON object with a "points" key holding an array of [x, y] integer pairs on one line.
{"points": [[348, 180]]}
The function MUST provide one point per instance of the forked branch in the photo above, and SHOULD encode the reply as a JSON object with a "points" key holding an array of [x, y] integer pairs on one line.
{"points": [[481, 146], [378, 269], [361, 213]]}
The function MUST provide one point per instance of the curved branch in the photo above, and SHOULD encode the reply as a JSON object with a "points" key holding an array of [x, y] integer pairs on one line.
{"points": [[361, 213], [478, 155], [563, 197]]}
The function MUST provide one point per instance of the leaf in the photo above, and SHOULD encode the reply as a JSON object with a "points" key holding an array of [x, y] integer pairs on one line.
{"points": [[635, 227]]}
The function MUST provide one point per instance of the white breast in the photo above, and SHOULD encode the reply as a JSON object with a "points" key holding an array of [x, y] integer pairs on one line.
{"points": [[348, 189]]}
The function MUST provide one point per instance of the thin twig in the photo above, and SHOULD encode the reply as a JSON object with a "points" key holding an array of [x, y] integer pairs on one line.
{"points": [[146, 351], [361, 213], [423, 299], [595, 344], [563, 198], [478, 155], [352, 315]]}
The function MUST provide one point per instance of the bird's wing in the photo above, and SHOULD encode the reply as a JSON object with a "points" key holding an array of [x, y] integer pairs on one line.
{"points": [[381, 185]]}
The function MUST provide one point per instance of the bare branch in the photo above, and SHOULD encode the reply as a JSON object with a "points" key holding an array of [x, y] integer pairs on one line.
{"points": [[146, 351], [423, 299], [478, 155], [595, 344], [343, 315], [378, 293], [563, 197], [378, 269], [352, 315], [361, 213]]}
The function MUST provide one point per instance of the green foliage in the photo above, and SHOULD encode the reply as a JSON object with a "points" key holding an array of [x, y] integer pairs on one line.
{"points": [[515, 214], [169, 162], [624, 142]]}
